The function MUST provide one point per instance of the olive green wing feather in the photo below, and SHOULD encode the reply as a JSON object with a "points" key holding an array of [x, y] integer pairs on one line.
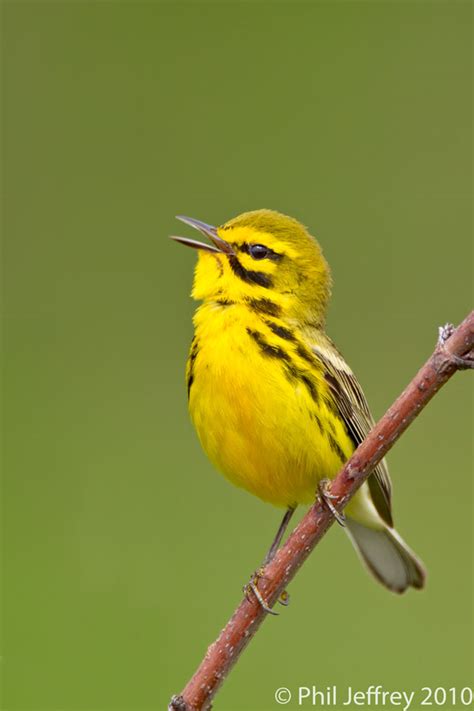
{"points": [[354, 410]]}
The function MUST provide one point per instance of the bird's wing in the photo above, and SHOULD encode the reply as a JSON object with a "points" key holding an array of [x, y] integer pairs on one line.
{"points": [[355, 412]]}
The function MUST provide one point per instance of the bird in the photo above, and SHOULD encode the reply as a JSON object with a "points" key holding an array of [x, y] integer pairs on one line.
{"points": [[277, 409]]}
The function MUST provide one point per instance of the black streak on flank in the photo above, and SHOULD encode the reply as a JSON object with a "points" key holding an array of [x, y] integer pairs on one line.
{"points": [[288, 335], [336, 448], [190, 382], [266, 348], [281, 331], [306, 354], [311, 386], [192, 358], [332, 405], [249, 276], [264, 306], [315, 417], [294, 375]]}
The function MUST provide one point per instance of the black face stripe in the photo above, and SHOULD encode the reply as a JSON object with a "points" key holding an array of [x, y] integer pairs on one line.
{"points": [[266, 348], [336, 448], [264, 306], [273, 256], [281, 331], [249, 276]]}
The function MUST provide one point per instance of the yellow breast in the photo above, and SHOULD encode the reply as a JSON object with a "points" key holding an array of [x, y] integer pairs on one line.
{"points": [[261, 406]]}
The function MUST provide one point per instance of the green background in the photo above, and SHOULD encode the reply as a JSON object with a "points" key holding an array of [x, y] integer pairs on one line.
{"points": [[124, 552]]}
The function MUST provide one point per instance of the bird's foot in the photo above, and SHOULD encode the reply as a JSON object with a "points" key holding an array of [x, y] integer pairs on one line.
{"points": [[252, 587], [327, 498], [445, 333]]}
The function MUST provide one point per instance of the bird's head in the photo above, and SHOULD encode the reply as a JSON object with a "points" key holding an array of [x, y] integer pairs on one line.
{"points": [[262, 255]]}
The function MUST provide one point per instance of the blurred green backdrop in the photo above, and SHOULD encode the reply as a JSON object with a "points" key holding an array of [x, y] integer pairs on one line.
{"points": [[124, 551]]}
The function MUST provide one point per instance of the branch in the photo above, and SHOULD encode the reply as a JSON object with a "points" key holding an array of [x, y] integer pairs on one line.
{"points": [[453, 352]]}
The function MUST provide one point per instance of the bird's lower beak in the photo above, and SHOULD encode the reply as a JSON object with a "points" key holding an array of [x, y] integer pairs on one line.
{"points": [[218, 244]]}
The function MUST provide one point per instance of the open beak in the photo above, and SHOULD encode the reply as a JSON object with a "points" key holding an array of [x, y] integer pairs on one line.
{"points": [[218, 244]]}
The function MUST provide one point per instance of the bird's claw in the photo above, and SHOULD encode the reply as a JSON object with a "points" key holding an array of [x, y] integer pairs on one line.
{"points": [[327, 498], [254, 578], [462, 363], [445, 333], [251, 587]]}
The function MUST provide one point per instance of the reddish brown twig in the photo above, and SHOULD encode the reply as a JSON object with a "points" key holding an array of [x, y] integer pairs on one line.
{"points": [[454, 351]]}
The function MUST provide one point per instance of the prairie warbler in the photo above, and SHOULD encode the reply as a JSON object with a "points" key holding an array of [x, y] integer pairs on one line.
{"points": [[276, 407]]}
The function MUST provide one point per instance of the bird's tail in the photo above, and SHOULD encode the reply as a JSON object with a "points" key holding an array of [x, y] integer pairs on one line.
{"points": [[387, 556]]}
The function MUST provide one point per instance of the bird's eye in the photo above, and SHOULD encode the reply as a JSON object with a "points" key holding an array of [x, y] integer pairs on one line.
{"points": [[258, 251]]}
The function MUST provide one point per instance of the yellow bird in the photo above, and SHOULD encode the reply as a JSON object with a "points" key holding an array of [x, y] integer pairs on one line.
{"points": [[276, 407]]}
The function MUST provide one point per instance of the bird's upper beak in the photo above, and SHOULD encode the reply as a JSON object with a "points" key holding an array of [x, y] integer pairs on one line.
{"points": [[218, 244]]}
